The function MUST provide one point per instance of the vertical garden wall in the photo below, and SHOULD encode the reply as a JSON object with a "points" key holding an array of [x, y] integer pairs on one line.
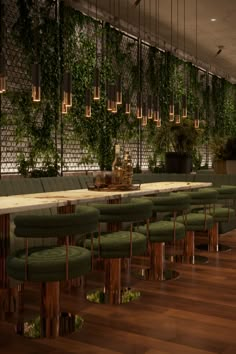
{"points": [[37, 139]]}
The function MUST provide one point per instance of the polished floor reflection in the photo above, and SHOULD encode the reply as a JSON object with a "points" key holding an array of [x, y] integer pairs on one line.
{"points": [[195, 314]]}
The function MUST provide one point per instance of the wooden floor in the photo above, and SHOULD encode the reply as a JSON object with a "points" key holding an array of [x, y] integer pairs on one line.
{"points": [[195, 314]]}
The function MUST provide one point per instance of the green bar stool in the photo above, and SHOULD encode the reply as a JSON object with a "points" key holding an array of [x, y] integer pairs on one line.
{"points": [[51, 265], [165, 231], [199, 220], [119, 244]]}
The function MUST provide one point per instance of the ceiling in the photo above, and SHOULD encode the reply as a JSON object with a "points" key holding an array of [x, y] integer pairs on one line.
{"points": [[210, 35]]}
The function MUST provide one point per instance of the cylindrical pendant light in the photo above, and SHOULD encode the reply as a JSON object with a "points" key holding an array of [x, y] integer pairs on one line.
{"points": [[3, 81], [177, 114], [139, 113], [196, 118], [113, 99], [171, 103], [88, 103], [145, 115], [184, 97], [119, 90], [156, 109], [184, 107], [149, 108], [96, 85], [127, 104], [36, 82], [171, 108], [67, 89]]}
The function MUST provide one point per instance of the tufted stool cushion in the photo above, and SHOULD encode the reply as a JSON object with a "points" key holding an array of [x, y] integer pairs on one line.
{"points": [[138, 209], [223, 214], [117, 245], [204, 196], [162, 231], [172, 202], [197, 221], [48, 264]]}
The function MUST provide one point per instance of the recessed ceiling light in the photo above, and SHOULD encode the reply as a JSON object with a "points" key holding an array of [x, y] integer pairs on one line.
{"points": [[213, 19]]}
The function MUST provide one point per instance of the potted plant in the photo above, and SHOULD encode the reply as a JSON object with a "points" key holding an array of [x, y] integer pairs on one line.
{"points": [[183, 140], [218, 150], [230, 155]]}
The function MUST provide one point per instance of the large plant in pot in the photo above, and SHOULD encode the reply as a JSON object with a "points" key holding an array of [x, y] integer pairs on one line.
{"points": [[230, 155], [183, 141]]}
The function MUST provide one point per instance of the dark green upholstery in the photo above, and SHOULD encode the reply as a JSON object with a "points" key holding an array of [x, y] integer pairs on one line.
{"points": [[204, 196], [117, 244], [170, 203], [60, 225], [197, 221], [139, 209], [163, 231], [223, 214], [49, 264]]}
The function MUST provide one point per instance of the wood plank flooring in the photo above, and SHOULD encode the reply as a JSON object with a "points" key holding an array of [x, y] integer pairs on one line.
{"points": [[195, 314]]}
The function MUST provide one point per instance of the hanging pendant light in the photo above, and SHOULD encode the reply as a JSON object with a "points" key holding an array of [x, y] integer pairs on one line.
{"points": [[3, 81], [96, 85], [196, 119], [139, 113], [150, 109], [88, 103], [67, 89], [177, 114], [171, 108], [36, 82], [184, 97], [96, 82], [113, 99], [171, 104], [127, 104], [119, 91], [184, 107], [145, 115]]}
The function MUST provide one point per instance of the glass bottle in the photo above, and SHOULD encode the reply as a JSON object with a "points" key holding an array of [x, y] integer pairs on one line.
{"points": [[128, 169], [117, 168]]}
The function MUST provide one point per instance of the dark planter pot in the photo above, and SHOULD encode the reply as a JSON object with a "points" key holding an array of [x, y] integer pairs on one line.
{"points": [[177, 162]]}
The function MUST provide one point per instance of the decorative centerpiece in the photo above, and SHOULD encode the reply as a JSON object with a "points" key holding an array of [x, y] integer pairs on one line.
{"points": [[121, 176]]}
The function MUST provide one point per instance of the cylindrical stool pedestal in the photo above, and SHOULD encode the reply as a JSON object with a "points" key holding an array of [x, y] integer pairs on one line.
{"points": [[157, 252], [112, 281], [50, 309]]}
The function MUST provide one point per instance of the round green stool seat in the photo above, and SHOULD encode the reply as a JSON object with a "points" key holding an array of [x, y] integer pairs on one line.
{"points": [[117, 245], [204, 196], [137, 210], [172, 202], [49, 264], [163, 231], [223, 214], [43, 226], [227, 192], [197, 221]]}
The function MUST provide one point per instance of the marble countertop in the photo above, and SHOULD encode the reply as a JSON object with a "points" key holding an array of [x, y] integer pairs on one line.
{"points": [[18, 203]]}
